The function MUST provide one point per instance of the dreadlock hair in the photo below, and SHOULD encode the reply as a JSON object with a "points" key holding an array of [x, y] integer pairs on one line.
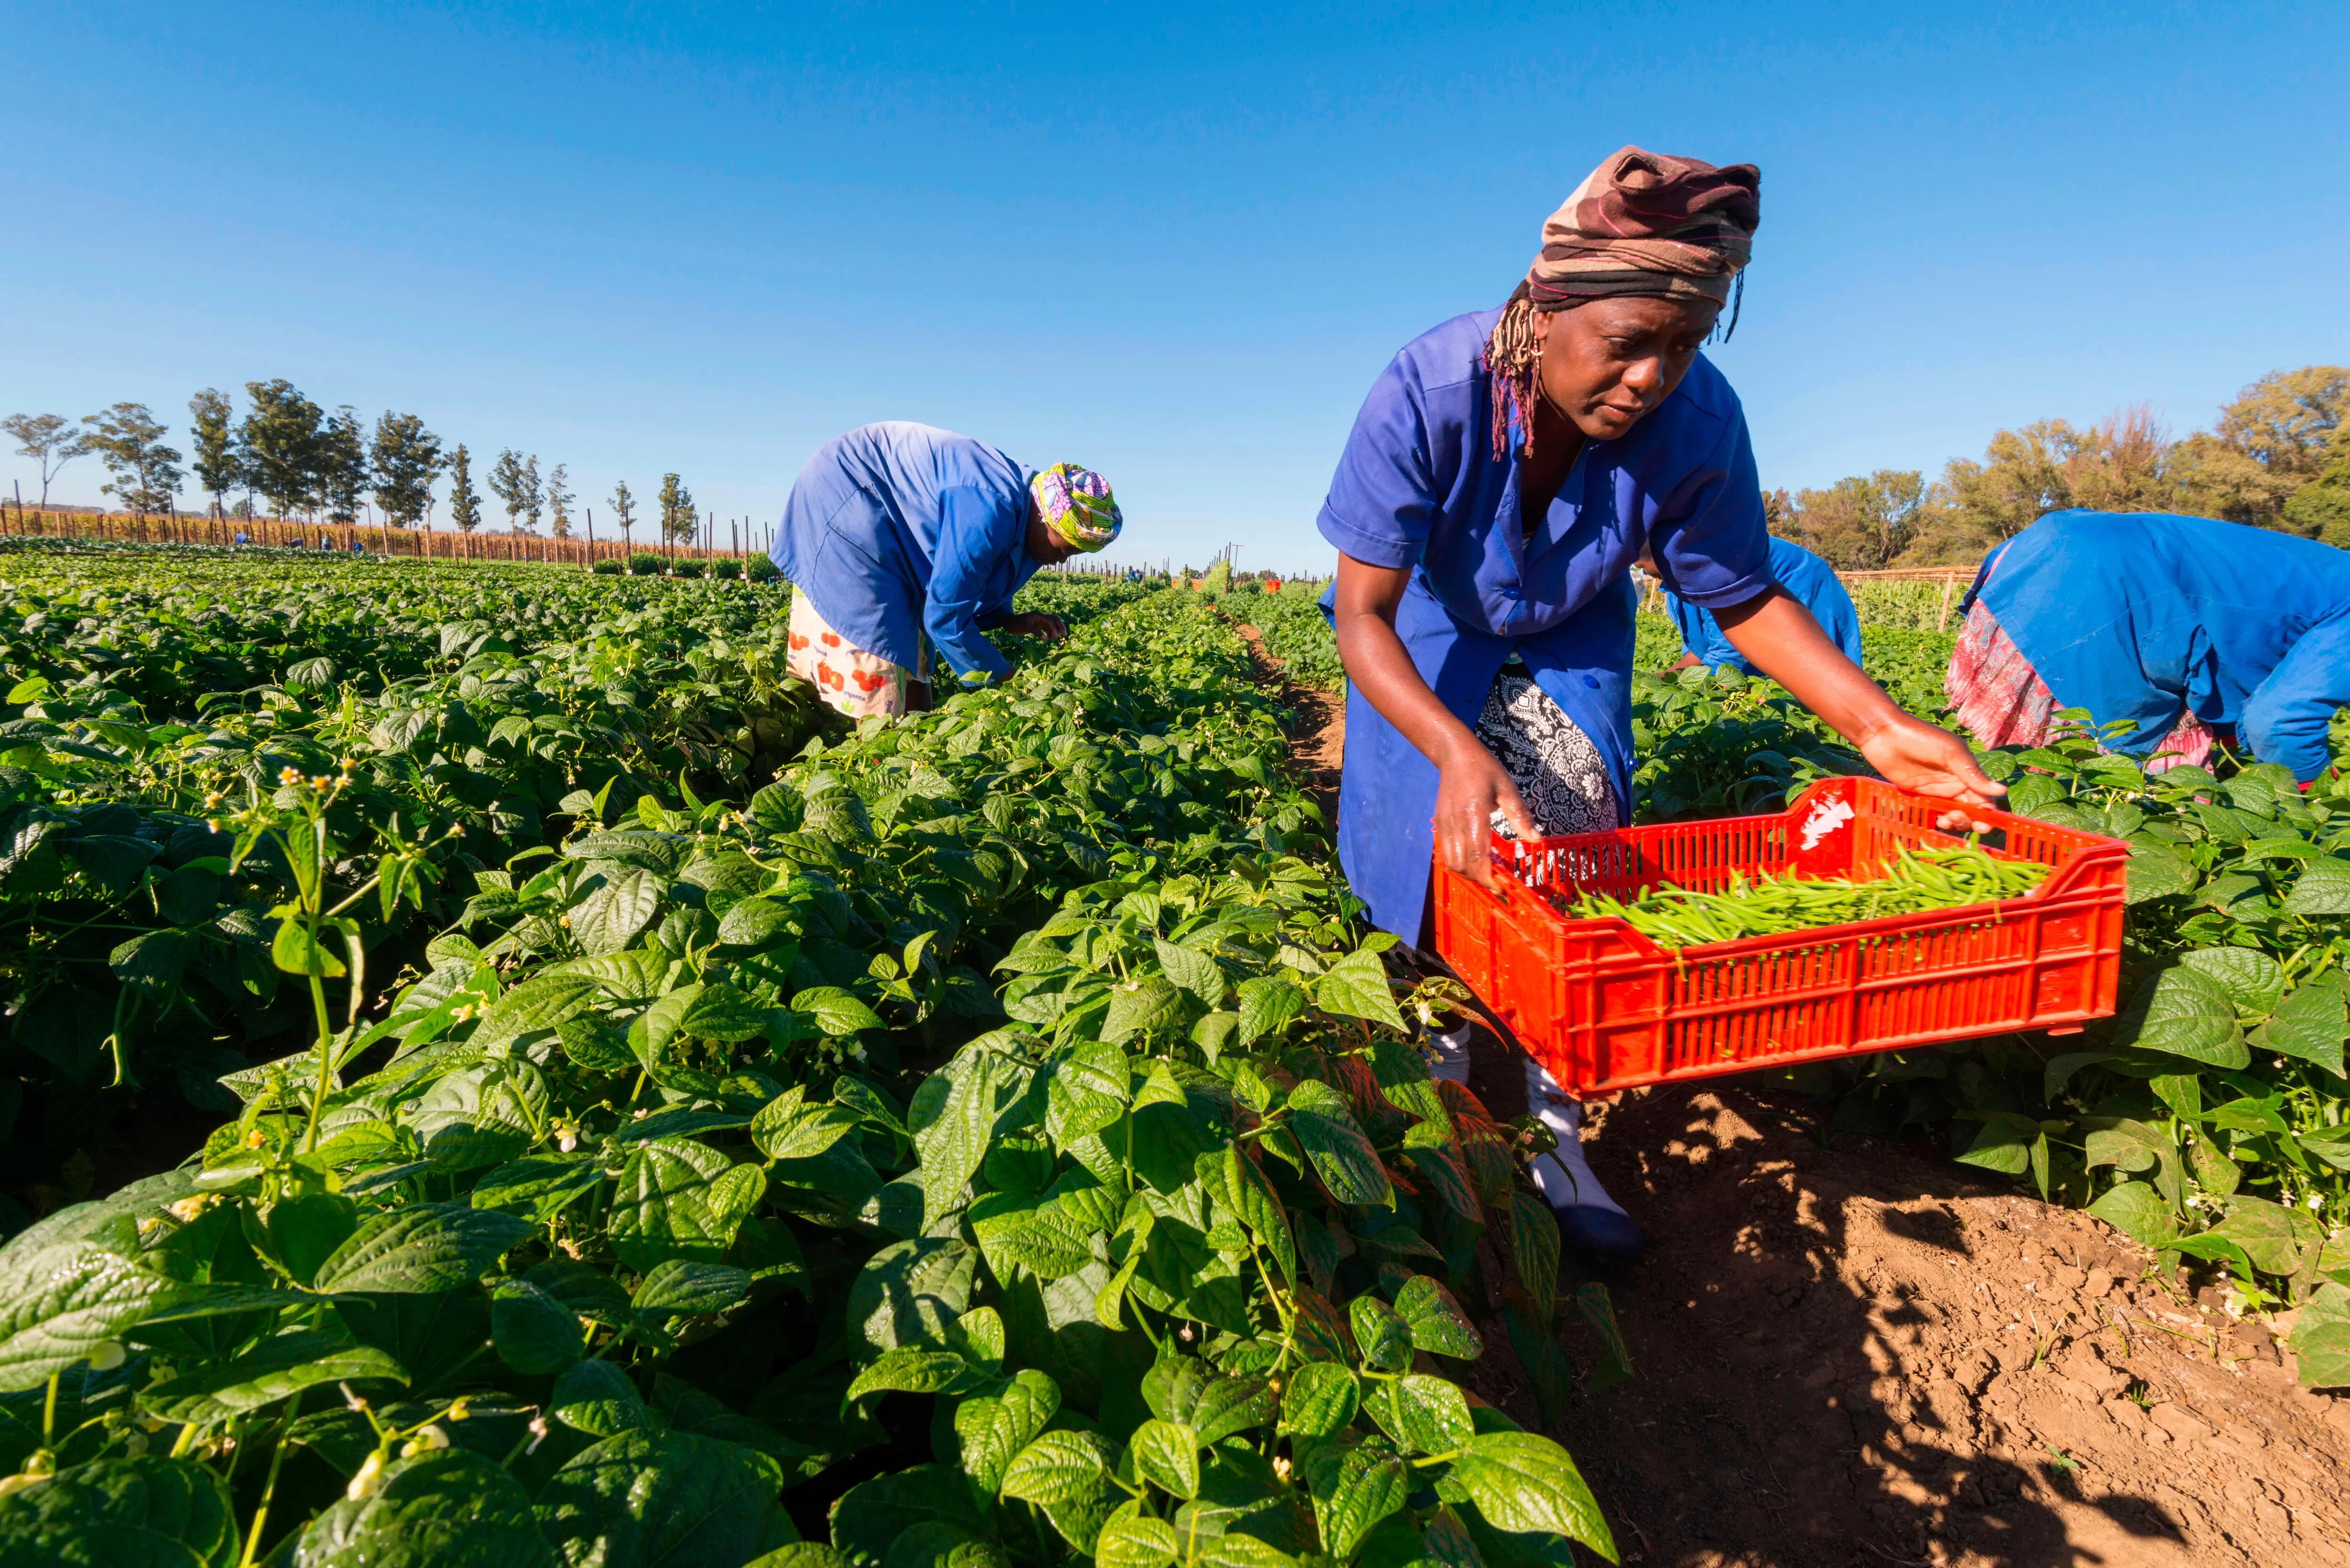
{"points": [[1513, 360]]}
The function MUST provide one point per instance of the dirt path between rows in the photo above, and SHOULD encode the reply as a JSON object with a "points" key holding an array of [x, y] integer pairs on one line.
{"points": [[1317, 728], [1859, 1351]]}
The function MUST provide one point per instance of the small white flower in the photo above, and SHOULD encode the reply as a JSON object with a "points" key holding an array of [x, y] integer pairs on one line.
{"points": [[370, 1476], [424, 1442]]}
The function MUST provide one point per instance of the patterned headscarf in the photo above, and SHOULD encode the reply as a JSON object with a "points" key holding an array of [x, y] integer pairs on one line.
{"points": [[1076, 503], [1645, 223], [1641, 224]]}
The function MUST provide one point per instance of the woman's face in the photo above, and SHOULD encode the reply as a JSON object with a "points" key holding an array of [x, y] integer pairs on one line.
{"points": [[1043, 544], [1607, 363]]}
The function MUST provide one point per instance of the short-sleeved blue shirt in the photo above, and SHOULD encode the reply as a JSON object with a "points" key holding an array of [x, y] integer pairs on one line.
{"points": [[897, 529], [1809, 581], [1419, 486]]}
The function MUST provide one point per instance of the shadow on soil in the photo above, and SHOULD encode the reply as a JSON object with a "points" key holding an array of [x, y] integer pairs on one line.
{"points": [[1789, 1407]]}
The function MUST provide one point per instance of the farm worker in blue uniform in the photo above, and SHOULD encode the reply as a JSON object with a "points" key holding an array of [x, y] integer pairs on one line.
{"points": [[1504, 472], [1809, 581], [900, 538], [2188, 629]]}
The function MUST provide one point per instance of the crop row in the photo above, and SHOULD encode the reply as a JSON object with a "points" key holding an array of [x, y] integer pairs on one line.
{"points": [[701, 1195]]}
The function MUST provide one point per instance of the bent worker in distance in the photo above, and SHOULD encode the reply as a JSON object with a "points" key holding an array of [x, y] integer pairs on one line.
{"points": [[1808, 580], [1505, 471], [2190, 632], [899, 539]]}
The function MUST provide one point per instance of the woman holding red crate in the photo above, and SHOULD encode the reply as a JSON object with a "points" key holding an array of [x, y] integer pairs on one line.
{"points": [[1505, 471]]}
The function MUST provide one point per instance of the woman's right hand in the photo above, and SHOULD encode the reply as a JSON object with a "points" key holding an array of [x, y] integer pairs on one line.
{"points": [[1470, 786]]}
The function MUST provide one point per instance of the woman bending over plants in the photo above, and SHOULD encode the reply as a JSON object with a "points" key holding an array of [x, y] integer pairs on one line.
{"points": [[901, 538], [1504, 472]]}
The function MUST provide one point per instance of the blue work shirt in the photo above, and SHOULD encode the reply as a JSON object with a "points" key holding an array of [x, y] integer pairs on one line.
{"points": [[897, 529], [2140, 615], [1419, 486], [1809, 581]]}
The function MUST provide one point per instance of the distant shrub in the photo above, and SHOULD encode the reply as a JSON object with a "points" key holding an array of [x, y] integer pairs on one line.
{"points": [[646, 564], [761, 569], [1250, 586], [606, 569], [685, 566], [726, 566]]}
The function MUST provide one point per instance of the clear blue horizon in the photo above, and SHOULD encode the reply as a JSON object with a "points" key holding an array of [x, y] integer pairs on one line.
{"points": [[1176, 247]]}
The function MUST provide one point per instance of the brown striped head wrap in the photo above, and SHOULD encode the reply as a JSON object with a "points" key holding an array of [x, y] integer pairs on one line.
{"points": [[1641, 224]]}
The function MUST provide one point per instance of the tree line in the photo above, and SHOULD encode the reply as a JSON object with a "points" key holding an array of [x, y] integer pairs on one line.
{"points": [[2279, 457], [299, 461]]}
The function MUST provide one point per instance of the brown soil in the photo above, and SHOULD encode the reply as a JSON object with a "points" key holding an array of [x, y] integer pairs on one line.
{"points": [[1861, 1352], [1318, 726]]}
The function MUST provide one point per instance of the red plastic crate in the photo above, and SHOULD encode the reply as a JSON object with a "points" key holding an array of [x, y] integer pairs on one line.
{"points": [[1603, 1008]]}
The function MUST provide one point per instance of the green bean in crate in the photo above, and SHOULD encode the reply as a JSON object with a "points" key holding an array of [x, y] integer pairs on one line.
{"points": [[1915, 882]]}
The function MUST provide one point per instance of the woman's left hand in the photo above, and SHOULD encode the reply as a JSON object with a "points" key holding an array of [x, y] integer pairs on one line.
{"points": [[1919, 757], [1051, 628]]}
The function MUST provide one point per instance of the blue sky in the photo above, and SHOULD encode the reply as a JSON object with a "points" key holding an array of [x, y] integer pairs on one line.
{"points": [[1174, 243]]}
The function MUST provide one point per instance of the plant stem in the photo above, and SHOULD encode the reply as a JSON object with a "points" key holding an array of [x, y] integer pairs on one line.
{"points": [[49, 1409], [269, 1486]]}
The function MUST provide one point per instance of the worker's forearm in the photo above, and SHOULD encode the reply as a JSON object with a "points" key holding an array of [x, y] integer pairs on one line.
{"points": [[1381, 668], [1780, 638]]}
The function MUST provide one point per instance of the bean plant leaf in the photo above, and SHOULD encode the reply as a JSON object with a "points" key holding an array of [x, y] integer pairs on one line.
{"points": [[1356, 986], [270, 1371], [954, 1139], [1132, 1538], [533, 1332], [1086, 1090], [788, 1128], [422, 1248], [2322, 889], [1267, 1006], [2253, 981], [2321, 1339], [680, 1287], [444, 1508], [1143, 1006], [1321, 1398], [1342, 1156], [2157, 871], [650, 1498], [2185, 1012], [1525, 1484], [1058, 1466], [1381, 1335], [994, 1429], [1167, 1454], [910, 1371], [2138, 1211], [1423, 1414], [838, 1013], [1193, 971], [870, 1519], [679, 1198], [1354, 1487], [1435, 1320], [1534, 1245], [2309, 1024], [608, 919], [131, 1510]]}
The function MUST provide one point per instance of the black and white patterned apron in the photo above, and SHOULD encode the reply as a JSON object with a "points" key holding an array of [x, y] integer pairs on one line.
{"points": [[1558, 771]]}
